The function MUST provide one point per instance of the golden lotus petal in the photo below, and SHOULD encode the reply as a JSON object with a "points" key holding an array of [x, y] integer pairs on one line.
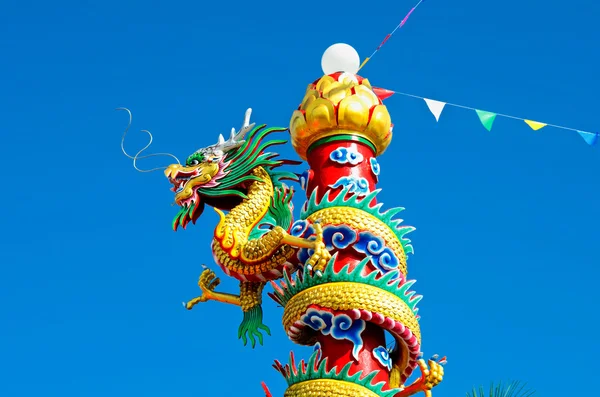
{"points": [[320, 115], [307, 101], [336, 92], [347, 78], [348, 81], [324, 82], [386, 141], [313, 93], [310, 87], [367, 95], [367, 83], [353, 113], [338, 95], [309, 98], [298, 127], [325, 92], [379, 128]]}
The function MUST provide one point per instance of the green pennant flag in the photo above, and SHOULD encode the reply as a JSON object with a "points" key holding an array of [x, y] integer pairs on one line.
{"points": [[486, 118]]}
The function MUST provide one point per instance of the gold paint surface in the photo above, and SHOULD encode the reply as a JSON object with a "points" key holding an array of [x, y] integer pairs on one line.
{"points": [[232, 247], [330, 106], [320, 115], [361, 220], [206, 171], [327, 388], [348, 296]]}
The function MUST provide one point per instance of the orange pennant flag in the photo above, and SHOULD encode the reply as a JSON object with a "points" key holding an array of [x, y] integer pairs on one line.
{"points": [[535, 125]]}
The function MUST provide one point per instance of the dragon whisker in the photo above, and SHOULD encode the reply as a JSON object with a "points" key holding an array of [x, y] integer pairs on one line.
{"points": [[138, 154]]}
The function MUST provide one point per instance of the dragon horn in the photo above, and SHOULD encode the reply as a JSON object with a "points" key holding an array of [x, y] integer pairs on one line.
{"points": [[246, 126], [247, 118], [236, 139]]}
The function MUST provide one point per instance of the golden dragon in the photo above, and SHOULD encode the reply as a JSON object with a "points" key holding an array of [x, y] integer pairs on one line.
{"points": [[251, 242]]}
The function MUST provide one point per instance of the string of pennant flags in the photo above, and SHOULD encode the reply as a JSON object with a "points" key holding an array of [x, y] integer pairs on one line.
{"points": [[486, 118], [390, 34]]}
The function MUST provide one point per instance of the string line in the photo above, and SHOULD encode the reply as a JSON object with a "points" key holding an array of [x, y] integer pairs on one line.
{"points": [[390, 34], [497, 114], [400, 25]]}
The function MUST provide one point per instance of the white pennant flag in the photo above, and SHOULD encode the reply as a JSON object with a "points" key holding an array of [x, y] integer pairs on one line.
{"points": [[435, 107]]}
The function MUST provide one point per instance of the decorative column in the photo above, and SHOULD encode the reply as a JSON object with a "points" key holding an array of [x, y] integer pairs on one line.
{"points": [[345, 309]]}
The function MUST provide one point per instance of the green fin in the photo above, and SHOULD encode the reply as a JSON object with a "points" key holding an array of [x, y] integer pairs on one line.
{"points": [[251, 325]]}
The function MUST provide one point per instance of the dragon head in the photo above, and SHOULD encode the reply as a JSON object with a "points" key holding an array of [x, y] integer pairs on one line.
{"points": [[219, 175]]}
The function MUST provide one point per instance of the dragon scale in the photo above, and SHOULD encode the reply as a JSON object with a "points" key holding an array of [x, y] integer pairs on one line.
{"points": [[259, 259], [340, 129], [340, 269]]}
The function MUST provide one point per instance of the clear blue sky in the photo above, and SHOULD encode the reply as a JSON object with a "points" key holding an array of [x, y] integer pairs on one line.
{"points": [[507, 221]]}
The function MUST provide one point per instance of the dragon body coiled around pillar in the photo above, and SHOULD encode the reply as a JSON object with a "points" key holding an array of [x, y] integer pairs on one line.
{"points": [[251, 242], [339, 271]]}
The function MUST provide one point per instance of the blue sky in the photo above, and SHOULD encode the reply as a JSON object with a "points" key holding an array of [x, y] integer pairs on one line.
{"points": [[92, 275]]}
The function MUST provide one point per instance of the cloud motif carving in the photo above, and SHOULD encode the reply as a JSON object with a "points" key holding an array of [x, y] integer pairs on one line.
{"points": [[334, 237], [304, 179], [343, 155], [317, 348], [299, 228], [340, 327], [354, 184], [339, 237], [382, 355], [382, 257], [375, 167]]}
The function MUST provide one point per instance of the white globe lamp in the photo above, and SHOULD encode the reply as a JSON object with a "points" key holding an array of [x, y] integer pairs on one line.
{"points": [[340, 57]]}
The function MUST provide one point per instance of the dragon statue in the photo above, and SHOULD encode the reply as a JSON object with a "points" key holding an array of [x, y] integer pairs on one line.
{"points": [[252, 242], [340, 270]]}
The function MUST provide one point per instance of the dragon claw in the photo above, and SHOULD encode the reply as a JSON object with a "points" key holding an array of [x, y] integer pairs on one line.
{"points": [[207, 282], [432, 373], [321, 255]]}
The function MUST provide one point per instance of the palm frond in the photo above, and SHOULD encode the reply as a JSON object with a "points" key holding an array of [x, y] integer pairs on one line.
{"points": [[513, 389]]}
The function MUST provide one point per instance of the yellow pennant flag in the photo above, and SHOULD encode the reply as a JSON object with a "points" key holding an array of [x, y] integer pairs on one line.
{"points": [[364, 63], [535, 125]]}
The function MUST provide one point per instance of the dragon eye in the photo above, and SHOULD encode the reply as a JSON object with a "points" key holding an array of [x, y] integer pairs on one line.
{"points": [[195, 159]]}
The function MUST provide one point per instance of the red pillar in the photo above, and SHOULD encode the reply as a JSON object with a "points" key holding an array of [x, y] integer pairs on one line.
{"points": [[331, 161]]}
